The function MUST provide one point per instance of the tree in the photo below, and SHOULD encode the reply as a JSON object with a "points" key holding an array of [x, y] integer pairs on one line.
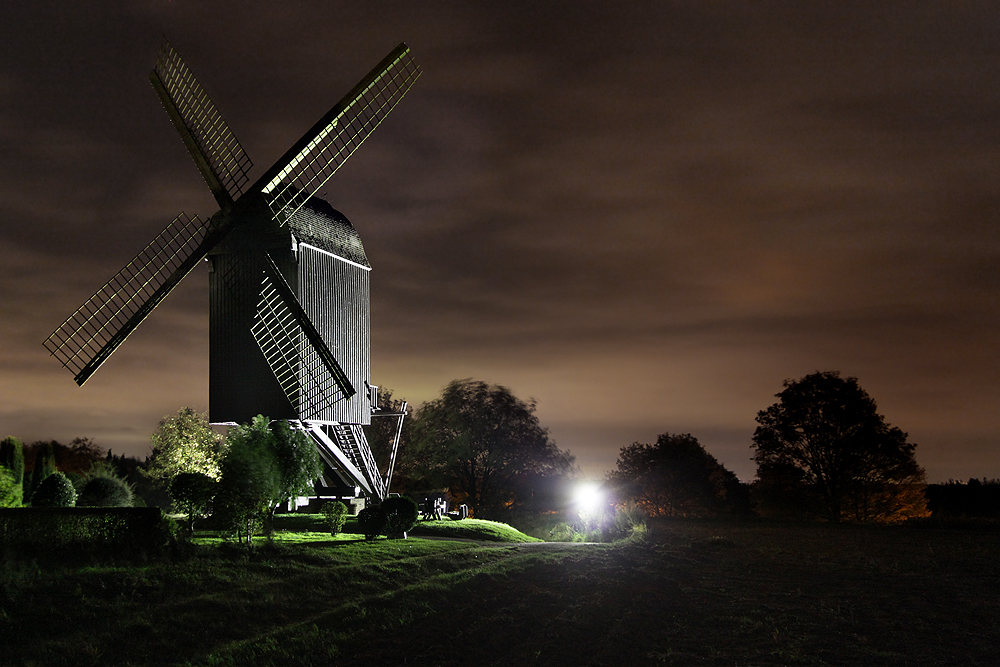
{"points": [[192, 493], [251, 478], [148, 492], [382, 432], [185, 442], [79, 456], [676, 477], [335, 513], [372, 522], [825, 446], [265, 466], [486, 444], [12, 459], [297, 460]]}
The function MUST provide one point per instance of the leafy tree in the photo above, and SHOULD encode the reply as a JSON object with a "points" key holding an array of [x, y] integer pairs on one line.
{"points": [[486, 444], [185, 442], [12, 459], [266, 465], [824, 445], [192, 493], [382, 432], [79, 456], [148, 492], [251, 478], [977, 498], [676, 477], [54, 491], [297, 459]]}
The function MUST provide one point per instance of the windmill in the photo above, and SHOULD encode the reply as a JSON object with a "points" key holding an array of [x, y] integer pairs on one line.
{"points": [[289, 323]]}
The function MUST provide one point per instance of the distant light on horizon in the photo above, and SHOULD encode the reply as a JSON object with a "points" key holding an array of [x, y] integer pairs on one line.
{"points": [[588, 498]]}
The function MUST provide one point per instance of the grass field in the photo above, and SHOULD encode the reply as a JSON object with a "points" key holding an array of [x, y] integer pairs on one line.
{"points": [[695, 593]]}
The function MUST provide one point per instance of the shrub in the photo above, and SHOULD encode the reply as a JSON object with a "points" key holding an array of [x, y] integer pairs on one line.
{"points": [[401, 514], [105, 491], [562, 532], [54, 491], [372, 522], [79, 535], [625, 523], [336, 514]]}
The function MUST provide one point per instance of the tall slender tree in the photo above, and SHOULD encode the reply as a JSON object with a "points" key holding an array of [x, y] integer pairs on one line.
{"points": [[44, 465], [12, 458]]}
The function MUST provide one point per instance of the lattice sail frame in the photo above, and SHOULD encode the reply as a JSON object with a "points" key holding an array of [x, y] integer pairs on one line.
{"points": [[88, 337], [305, 368], [95, 330], [217, 144], [318, 155]]}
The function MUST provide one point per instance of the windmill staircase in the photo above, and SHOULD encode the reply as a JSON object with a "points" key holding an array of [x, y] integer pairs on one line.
{"points": [[344, 447]]}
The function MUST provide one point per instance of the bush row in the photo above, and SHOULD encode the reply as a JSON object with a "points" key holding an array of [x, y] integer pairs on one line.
{"points": [[30, 532]]}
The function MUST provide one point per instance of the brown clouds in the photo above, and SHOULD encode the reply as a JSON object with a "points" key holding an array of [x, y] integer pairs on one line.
{"points": [[646, 218]]}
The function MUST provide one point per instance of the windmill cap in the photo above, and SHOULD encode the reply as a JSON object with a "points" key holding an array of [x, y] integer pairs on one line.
{"points": [[320, 225]]}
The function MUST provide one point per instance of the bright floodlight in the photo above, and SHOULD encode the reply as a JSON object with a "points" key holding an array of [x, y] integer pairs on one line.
{"points": [[588, 497]]}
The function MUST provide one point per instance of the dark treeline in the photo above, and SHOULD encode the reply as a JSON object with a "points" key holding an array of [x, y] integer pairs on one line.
{"points": [[78, 458], [975, 499], [823, 451]]}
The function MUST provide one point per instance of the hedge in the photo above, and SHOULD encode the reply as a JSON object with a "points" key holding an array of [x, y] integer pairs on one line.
{"points": [[34, 530]]}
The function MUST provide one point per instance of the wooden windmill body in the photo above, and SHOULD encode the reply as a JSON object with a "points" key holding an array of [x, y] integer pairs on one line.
{"points": [[290, 328]]}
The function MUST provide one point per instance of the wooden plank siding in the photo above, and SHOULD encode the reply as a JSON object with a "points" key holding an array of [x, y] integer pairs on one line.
{"points": [[335, 293]]}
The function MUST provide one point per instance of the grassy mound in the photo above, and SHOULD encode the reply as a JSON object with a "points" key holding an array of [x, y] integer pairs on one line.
{"points": [[472, 529]]}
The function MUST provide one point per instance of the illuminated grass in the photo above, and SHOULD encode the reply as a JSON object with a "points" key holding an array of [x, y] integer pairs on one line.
{"points": [[472, 529]]}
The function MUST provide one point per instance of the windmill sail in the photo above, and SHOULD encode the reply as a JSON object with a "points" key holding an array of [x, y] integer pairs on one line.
{"points": [[215, 149], [305, 368], [303, 170], [88, 337]]}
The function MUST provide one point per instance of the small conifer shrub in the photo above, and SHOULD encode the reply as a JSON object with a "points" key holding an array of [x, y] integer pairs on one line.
{"points": [[372, 522], [401, 514], [336, 514]]}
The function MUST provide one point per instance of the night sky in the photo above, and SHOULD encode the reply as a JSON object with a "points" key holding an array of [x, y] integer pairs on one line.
{"points": [[644, 215]]}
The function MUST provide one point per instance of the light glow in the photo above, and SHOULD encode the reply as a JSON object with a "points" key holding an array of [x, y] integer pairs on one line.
{"points": [[588, 498]]}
